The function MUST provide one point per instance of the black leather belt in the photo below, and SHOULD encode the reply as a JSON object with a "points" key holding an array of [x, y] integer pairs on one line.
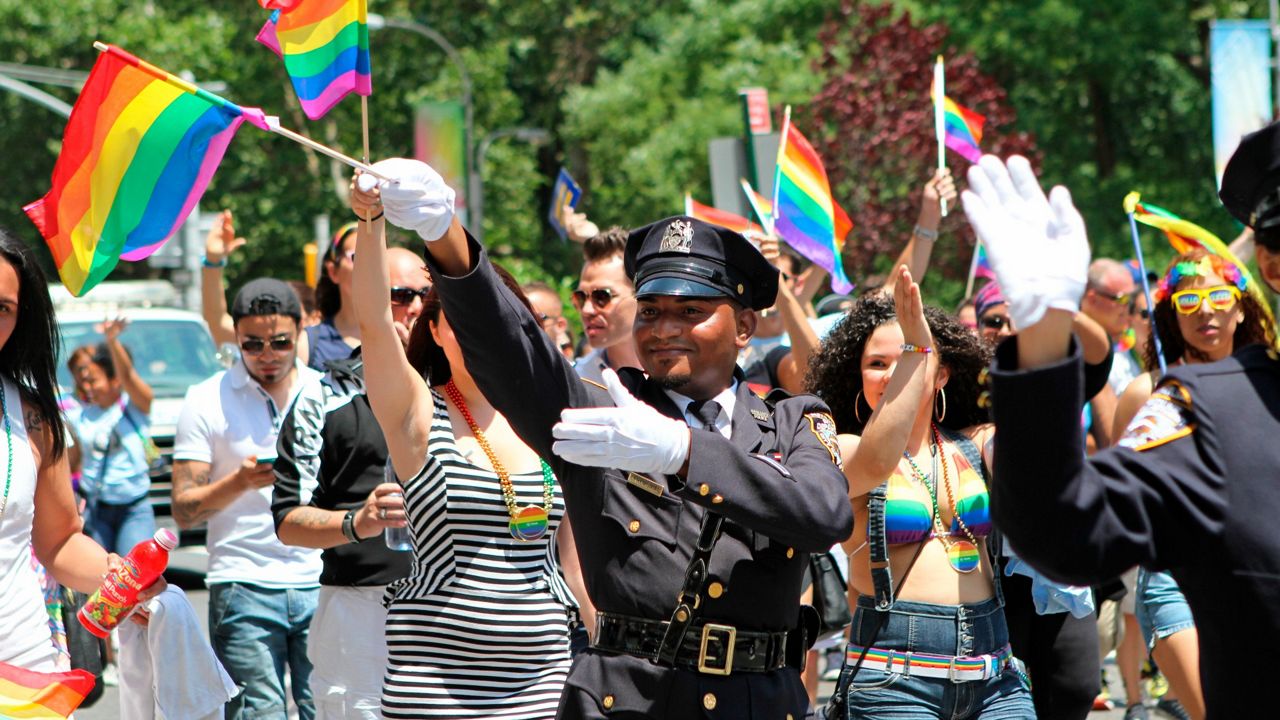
{"points": [[708, 647]]}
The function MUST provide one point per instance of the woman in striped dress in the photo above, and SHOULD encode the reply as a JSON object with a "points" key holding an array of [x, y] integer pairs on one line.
{"points": [[479, 629]]}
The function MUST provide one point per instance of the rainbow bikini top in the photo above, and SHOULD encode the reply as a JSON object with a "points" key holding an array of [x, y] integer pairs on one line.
{"points": [[908, 508]]}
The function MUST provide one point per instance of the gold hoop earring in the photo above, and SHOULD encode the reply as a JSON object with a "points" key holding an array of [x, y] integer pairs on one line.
{"points": [[940, 394], [857, 414]]}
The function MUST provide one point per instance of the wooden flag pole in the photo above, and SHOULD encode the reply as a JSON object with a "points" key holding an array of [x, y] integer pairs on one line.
{"points": [[276, 128], [364, 122], [940, 119]]}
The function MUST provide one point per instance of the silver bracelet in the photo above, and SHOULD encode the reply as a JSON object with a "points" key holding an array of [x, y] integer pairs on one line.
{"points": [[924, 234]]}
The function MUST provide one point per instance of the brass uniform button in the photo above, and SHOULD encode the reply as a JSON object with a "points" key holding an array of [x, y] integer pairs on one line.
{"points": [[703, 489], [789, 717], [740, 288], [709, 701], [608, 704], [634, 526], [984, 399], [791, 552], [715, 590], [681, 615], [717, 499], [983, 376]]}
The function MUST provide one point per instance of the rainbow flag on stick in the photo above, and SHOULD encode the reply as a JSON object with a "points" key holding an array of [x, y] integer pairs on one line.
{"points": [[958, 127], [715, 216], [803, 212], [760, 205], [29, 694], [325, 48], [138, 152]]}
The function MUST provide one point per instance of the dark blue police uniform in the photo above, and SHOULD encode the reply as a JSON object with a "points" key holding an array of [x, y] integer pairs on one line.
{"points": [[775, 487]]}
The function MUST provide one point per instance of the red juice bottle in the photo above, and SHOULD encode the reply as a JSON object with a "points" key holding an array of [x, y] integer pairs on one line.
{"points": [[114, 599]]}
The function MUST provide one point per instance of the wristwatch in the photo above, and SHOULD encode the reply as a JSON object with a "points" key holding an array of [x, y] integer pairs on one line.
{"points": [[349, 526]]}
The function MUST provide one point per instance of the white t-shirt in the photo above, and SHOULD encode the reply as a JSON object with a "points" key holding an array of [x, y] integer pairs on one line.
{"points": [[224, 420]]}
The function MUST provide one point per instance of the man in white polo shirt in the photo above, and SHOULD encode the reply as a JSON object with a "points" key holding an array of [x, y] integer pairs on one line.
{"points": [[262, 593]]}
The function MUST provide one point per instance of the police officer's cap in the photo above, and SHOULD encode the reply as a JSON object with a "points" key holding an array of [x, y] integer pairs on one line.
{"points": [[1251, 181], [686, 257]]}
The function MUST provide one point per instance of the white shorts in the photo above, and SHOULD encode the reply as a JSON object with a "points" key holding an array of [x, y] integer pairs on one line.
{"points": [[347, 647]]}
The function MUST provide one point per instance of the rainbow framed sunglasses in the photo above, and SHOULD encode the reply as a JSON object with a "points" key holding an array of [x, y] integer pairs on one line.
{"points": [[1219, 297]]}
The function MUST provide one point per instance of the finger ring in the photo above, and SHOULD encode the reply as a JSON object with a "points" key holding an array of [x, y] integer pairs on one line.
{"points": [[382, 513]]}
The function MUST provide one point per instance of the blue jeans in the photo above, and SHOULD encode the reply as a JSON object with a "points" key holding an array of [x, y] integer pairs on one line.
{"points": [[954, 630], [1161, 607], [257, 632], [119, 527]]}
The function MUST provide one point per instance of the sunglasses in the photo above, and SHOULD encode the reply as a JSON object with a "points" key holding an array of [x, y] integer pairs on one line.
{"points": [[1220, 297], [600, 298], [994, 322], [254, 346], [405, 295], [1121, 299]]}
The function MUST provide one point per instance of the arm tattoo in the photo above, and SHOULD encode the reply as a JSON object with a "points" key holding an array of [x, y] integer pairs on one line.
{"points": [[312, 518], [187, 510]]}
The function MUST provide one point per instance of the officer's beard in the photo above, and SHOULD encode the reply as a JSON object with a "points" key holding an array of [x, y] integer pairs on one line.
{"points": [[674, 381]]}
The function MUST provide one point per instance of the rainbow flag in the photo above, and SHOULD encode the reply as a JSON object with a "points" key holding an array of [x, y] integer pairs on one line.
{"points": [[760, 205], [1185, 235], [963, 129], [715, 216], [29, 694], [138, 151], [803, 212], [325, 48]]}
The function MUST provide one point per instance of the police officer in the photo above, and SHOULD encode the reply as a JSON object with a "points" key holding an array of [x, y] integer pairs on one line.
{"points": [[694, 502], [1192, 486]]}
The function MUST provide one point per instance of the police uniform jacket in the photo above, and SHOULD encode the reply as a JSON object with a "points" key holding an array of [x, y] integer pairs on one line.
{"points": [[776, 482], [1192, 487]]}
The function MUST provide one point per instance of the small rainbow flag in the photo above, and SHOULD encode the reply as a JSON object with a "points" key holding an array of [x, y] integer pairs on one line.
{"points": [[958, 127], [803, 211], [325, 48], [715, 216], [29, 694], [760, 205], [138, 152]]}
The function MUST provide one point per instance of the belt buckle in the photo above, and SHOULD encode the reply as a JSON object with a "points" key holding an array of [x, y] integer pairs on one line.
{"points": [[729, 643], [951, 672]]}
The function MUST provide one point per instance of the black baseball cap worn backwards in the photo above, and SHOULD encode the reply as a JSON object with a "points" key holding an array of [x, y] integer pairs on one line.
{"points": [[1251, 181], [686, 257], [266, 296]]}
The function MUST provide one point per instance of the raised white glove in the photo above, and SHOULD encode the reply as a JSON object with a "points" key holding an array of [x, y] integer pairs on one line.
{"points": [[631, 436], [1037, 247], [420, 201]]}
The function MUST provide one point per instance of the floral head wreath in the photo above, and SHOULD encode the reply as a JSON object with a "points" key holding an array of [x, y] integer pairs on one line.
{"points": [[1200, 268]]}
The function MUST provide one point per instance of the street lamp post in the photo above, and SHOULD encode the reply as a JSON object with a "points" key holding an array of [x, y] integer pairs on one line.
{"points": [[533, 136], [377, 22]]}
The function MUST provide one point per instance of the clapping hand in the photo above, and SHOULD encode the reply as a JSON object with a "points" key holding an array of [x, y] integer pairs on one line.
{"points": [[630, 436], [1037, 246]]}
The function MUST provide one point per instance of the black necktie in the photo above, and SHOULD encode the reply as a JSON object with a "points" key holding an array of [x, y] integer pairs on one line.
{"points": [[706, 411]]}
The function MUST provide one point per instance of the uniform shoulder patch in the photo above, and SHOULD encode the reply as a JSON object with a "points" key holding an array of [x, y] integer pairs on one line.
{"points": [[824, 428], [1165, 417]]}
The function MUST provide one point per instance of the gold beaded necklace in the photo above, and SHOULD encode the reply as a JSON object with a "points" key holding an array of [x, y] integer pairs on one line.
{"points": [[527, 523]]}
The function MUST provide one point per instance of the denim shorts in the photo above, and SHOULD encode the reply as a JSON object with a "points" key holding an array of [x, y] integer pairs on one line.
{"points": [[1161, 607], [954, 630]]}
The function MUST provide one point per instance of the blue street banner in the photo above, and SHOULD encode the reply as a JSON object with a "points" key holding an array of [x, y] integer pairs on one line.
{"points": [[564, 198], [1240, 68]]}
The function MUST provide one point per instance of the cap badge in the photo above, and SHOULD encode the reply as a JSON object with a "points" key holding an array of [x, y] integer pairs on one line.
{"points": [[677, 238]]}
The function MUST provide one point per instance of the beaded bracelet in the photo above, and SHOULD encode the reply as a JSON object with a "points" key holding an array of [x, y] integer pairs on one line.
{"points": [[908, 347], [924, 234], [206, 262]]}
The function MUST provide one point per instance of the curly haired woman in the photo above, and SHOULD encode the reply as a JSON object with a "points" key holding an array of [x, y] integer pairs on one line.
{"points": [[929, 636]]}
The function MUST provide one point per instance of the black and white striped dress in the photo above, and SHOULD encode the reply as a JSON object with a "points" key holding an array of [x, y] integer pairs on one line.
{"points": [[479, 629]]}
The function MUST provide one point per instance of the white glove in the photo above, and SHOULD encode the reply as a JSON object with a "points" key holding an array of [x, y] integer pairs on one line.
{"points": [[1037, 247], [631, 436], [420, 201]]}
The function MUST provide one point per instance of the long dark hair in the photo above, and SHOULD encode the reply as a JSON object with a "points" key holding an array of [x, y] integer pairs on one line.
{"points": [[424, 354], [328, 295], [1255, 328], [30, 356], [835, 373]]}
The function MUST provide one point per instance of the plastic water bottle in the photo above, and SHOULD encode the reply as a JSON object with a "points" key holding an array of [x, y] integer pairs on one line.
{"points": [[112, 602], [397, 538]]}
